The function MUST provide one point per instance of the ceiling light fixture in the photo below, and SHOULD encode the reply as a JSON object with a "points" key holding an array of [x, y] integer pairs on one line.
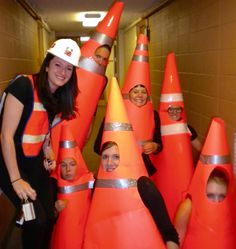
{"points": [[90, 18]]}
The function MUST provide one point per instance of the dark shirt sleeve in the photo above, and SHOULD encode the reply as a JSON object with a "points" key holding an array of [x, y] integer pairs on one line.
{"points": [[157, 131], [154, 201], [98, 140], [193, 132]]}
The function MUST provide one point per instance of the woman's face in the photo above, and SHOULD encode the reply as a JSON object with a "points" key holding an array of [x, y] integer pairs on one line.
{"points": [[175, 113], [110, 158], [59, 73], [138, 95], [68, 169], [216, 192]]}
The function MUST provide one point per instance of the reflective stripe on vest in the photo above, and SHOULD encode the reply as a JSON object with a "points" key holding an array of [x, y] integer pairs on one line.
{"points": [[75, 188], [171, 97], [173, 129], [36, 128], [115, 183]]}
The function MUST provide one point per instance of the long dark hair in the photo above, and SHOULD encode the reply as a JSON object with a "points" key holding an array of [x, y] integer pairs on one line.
{"points": [[63, 100]]}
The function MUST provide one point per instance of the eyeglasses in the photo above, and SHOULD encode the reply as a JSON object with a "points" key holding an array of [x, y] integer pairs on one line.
{"points": [[173, 110]]}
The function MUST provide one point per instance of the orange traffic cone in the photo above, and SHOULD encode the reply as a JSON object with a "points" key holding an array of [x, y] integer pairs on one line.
{"points": [[91, 77], [118, 217], [141, 117], [212, 224], [174, 164], [75, 191]]}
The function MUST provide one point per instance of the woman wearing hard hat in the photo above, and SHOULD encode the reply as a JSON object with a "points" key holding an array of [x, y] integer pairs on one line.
{"points": [[30, 104]]}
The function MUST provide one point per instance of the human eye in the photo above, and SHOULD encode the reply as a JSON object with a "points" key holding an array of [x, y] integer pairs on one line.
{"points": [[104, 157], [116, 157], [63, 165], [69, 69]]}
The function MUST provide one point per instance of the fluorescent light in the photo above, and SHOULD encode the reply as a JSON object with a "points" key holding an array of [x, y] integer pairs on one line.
{"points": [[90, 18], [84, 38]]}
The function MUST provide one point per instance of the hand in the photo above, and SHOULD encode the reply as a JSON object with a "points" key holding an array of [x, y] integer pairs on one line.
{"points": [[49, 164], [24, 190], [150, 147], [61, 204]]}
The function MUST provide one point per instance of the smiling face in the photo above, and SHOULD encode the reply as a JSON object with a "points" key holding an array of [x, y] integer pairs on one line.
{"points": [[138, 95], [59, 73], [110, 158], [175, 113], [69, 168]]}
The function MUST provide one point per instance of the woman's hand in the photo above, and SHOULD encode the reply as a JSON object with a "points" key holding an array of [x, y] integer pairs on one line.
{"points": [[49, 161], [150, 147], [49, 164], [61, 204], [23, 189]]}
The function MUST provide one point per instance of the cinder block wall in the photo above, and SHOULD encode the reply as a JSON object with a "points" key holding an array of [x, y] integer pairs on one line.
{"points": [[202, 36]]}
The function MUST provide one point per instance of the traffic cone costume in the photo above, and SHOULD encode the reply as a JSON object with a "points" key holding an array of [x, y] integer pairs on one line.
{"points": [[91, 77], [212, 225], [68, 231], [118, 217], [141, 118], [174, 163]]}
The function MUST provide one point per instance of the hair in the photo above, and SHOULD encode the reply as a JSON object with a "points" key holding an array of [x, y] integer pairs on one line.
{"points": [[63, 100], [104, 46], [107, 145], [141, 85], [218, 176]]}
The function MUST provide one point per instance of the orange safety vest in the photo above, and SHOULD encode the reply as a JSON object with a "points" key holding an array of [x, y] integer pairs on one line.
{"points": [[211, 225], [68, 231], [36, 128]]}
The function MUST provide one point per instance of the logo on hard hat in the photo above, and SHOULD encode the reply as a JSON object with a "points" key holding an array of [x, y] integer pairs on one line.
{"points": [[68, 51]]}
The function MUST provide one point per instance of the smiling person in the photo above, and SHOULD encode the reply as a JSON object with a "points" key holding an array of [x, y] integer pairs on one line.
{"points": [[30, 104]]}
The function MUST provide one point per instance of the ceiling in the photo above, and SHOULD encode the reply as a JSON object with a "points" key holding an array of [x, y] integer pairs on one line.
{"points": [[60, 14]]}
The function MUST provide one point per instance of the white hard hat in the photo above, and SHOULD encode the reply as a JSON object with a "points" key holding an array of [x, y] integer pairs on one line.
{"points": [[66, 49]]}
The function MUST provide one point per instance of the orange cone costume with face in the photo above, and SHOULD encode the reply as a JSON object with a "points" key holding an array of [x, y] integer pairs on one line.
{"points": [[91, 77], [118, 217], [174, 164], [141, 118], [212, 224], [68, 231]]}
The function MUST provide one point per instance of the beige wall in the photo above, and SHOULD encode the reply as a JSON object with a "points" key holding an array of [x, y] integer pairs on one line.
{"points": [[202, 36], [23, 42]]}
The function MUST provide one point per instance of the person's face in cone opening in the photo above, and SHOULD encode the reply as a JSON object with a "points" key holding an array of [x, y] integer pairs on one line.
{"points": [[216, 189], [101, 56], [175, 113], [69, 168], [110, 158], [138, 95]]}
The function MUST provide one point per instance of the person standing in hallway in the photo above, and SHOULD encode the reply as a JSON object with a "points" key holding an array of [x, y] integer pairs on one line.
{"points": [[30, 104]]}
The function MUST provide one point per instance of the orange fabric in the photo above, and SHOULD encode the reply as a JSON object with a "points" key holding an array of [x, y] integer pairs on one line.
{"points": [[68, 231], [37, 125]]}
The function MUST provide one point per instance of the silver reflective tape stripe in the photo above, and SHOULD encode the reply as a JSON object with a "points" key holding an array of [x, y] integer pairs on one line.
{"points": [[56, 121], [142, 47], [142, 142], [67, 144], [126, 96], [76, 188], [140, 58], [90, 65], [102, 39], [214, 159], [172, 97], [115, 183], [174, 129], [31, 139], [117, 126], [39, 107]]}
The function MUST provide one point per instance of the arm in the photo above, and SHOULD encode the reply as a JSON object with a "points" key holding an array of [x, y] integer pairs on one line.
{"points": [[98, 140], [153, 200], [196, 143], [11, 117], [181, 219]]}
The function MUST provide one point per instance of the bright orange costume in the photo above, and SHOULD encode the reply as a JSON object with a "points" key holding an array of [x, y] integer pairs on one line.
{"points": [[91, 77], [118, 217], [174, 163], [212, 225], [141, 118], [68, 231]]}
